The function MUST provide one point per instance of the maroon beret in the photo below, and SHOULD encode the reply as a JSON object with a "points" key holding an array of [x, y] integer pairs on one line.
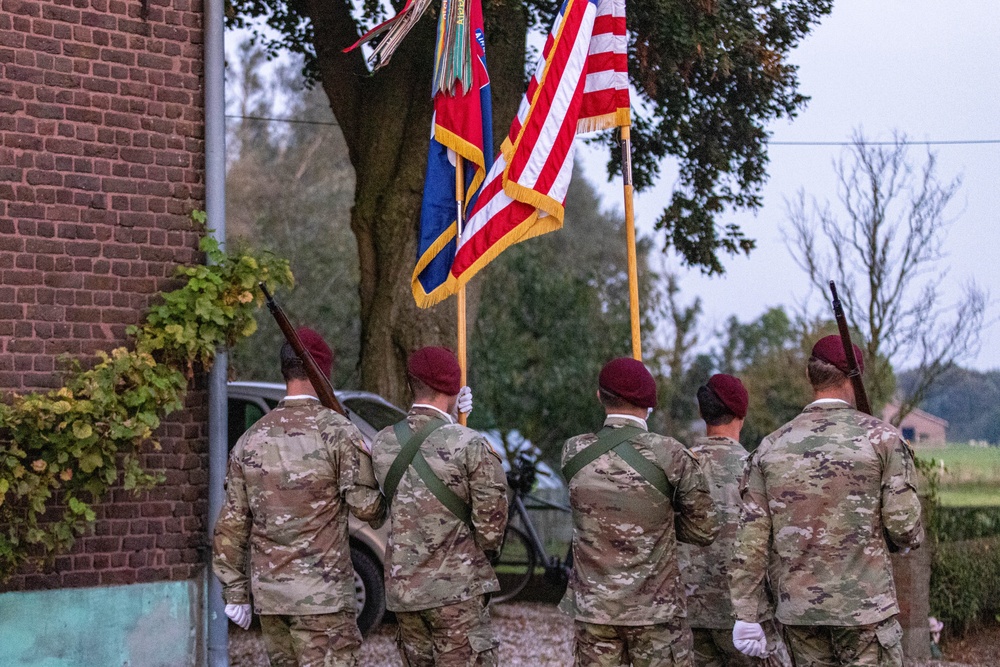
{"points": [[630, 380], [317, 347], [731, 392], [831, 350], [436, 367]]}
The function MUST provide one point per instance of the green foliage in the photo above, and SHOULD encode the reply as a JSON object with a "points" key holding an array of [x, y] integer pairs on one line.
{"points": [[769, 355], [64, 449], [965, 583], [954, 524], [289, 190]]}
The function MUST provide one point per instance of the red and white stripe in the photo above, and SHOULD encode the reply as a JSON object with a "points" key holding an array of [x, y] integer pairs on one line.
{"points": [[580, 85]]}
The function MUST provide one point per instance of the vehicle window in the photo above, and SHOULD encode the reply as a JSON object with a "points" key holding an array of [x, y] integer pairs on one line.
{"points": [[242, 415], [376, 413]]}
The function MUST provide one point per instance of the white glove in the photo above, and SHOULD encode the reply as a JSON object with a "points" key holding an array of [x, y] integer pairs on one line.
{"points": [[748, 638], [239, 614], [465, 400]]}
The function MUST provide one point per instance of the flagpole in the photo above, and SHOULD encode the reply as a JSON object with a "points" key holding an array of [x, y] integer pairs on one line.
{"points": [[460, 297], [633, 270]]}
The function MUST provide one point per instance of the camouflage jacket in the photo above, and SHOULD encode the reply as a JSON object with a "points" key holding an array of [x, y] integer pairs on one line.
{"points": [[433, 558], [816, 495], [624, 537], [705, 570], [292, 478]]}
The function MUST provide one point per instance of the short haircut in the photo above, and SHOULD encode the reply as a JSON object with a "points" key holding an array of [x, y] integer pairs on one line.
{"points": [[420, 389], [823, 375], [292, 367], [713, 410], [612, 401]]}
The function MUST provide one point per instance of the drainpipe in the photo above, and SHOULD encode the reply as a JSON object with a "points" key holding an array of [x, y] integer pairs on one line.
{"points": [[217, 633]]}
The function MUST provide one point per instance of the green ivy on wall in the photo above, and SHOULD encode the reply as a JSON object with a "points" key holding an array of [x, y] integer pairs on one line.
{"points": [[61, 451]]}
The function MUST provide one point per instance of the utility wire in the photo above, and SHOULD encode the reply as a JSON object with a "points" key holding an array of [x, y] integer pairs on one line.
{"points": [[284, 120], [908, 142]]}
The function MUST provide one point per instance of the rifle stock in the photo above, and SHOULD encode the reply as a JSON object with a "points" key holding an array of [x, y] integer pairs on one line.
{"points": [[321, 383], [860, 395]]}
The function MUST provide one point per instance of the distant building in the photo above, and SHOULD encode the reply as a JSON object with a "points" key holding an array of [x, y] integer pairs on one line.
{"points": [[922, 429]]}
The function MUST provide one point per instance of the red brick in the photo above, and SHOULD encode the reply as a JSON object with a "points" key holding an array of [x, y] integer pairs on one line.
{"points": [[98, 102]]}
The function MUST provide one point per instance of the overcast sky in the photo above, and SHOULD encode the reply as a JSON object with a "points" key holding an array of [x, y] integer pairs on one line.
{"points": [[925, 67]]}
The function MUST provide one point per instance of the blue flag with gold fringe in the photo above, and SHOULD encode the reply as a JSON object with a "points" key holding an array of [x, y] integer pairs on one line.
{"points": [[462, 125]]}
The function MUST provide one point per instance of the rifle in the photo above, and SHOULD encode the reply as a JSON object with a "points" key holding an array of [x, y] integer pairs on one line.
{"points": [[854, 374], [860, 395], [321, 383]]}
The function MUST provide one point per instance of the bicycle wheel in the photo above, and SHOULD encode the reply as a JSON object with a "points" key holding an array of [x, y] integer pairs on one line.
{"points": [[516, 564]]}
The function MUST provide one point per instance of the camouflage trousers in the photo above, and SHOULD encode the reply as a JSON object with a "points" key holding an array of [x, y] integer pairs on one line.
{"points": [[714, 648], [876, 645], [455, 635], [661, 645], [320, 640]]}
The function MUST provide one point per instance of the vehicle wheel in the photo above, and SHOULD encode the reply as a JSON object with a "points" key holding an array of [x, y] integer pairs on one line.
{"points": [[369, 589], [516, 564]]}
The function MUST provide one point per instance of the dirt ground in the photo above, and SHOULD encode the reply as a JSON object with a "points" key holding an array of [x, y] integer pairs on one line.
{"points": [[981, 647], [534, 634]]}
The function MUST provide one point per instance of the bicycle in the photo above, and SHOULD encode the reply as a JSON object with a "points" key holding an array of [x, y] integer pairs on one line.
{"points": [[523, 550]]}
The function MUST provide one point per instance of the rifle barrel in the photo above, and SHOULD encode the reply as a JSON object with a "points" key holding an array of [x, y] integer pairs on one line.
{"points": [[860, 395], [321, 383]]}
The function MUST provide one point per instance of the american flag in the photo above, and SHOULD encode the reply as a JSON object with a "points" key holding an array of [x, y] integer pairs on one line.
{"points": [[580, 85]]}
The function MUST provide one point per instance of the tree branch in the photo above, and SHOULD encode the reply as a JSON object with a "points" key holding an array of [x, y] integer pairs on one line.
{"points": [[343, 75]]}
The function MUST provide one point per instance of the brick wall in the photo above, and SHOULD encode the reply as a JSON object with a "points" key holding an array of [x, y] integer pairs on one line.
{"points": [[101, 163]]}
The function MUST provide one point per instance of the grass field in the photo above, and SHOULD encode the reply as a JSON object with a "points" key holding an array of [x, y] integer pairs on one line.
{"points": [[970, 476]]}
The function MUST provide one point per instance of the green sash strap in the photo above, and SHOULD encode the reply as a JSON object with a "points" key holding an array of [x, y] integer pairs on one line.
{"points": [[616, 440], [409, 454]]}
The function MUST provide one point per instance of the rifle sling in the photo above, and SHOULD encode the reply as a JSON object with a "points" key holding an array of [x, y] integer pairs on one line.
{"points": [[616, 440], [409, 454]]}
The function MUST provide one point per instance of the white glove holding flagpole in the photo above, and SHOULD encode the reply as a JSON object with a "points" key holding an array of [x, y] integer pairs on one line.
{"points": [[465, 400], [748, 638], [239, 614]]}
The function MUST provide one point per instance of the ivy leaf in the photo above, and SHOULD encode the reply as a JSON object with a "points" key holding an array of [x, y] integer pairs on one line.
{"points": [[90, 462], [82, 430]]}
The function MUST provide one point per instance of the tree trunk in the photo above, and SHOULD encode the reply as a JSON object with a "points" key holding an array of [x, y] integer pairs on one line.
{"points": [[386, 123]]}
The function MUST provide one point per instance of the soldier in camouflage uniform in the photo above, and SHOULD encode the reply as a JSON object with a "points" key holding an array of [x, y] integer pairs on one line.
{"points": [[820, 497], [292, 478], [437, 566], [625, 592], [722, 403]]}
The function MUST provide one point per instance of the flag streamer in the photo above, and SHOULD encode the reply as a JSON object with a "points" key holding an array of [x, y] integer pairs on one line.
{"points": [[395, 30]]}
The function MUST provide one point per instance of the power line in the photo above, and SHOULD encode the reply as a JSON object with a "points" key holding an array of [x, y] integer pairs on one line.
{"points": [[908, 142], [301, 121]]}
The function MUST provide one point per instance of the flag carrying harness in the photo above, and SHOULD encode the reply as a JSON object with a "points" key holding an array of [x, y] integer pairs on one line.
{"points": [[409, 454], [616, 440]]}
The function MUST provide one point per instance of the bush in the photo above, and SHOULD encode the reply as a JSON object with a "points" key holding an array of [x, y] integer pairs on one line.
{"points": [[62, 451], [965, 583], [954, 524]]}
